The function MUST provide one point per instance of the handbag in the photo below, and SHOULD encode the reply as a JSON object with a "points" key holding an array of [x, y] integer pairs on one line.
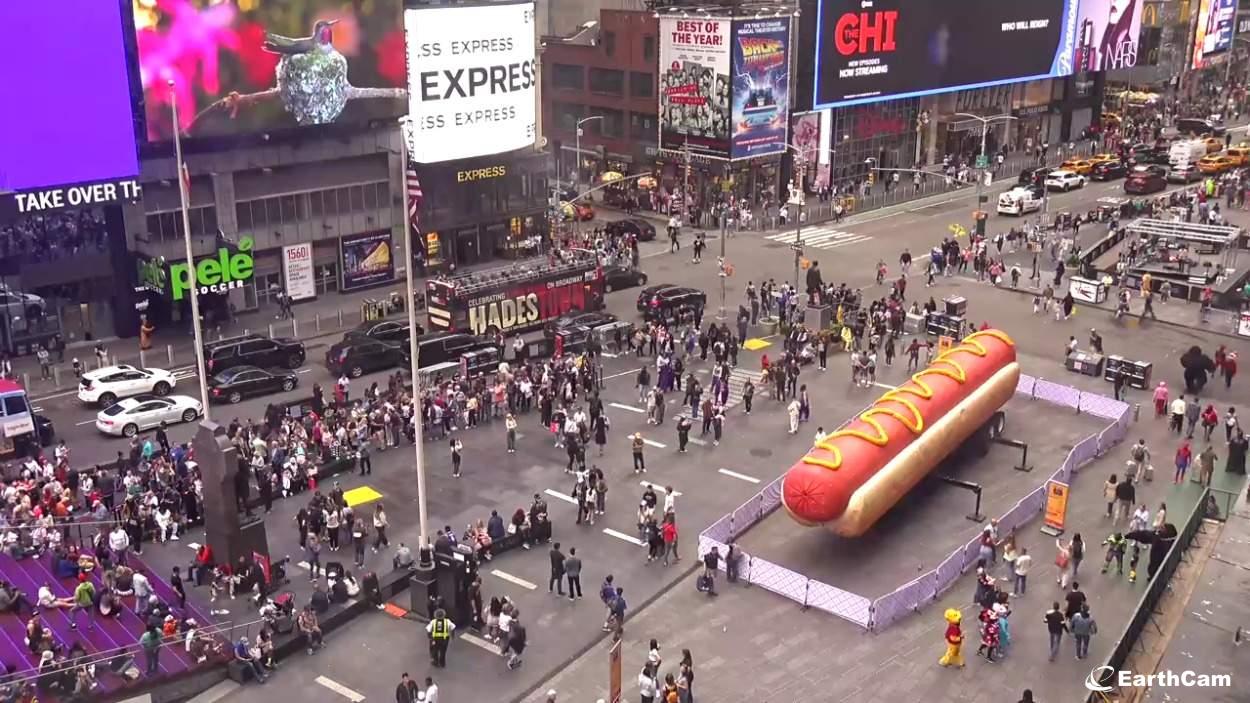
{"points": [[1061, 560]]}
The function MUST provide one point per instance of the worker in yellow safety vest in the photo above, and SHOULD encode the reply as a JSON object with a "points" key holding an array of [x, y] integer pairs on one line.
{"points": [[439, 630]]}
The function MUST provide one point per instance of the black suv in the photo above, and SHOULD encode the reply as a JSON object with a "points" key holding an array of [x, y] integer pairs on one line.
{"points": [[670, 303], [253, 350], [442, 347], [638, 227], [391, 331], [1034, 176], [357, 355]]}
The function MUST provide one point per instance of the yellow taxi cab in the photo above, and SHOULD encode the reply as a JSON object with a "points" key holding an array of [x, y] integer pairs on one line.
{"points": [[1240, 154], [1081, 166], [1214, 144], [1099, 158], [1216, 163]]}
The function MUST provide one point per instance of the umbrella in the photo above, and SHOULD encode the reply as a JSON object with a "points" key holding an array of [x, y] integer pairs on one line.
{"points": [[609, 176], [646, 182]]}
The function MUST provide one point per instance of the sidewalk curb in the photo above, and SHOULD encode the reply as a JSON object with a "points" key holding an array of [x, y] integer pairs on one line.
{"points": [[569, 661]]}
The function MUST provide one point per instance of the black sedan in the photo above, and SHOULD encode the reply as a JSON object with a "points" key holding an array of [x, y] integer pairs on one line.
{"points": [[621, 277], [239, 382], [638, 227], [646, 294], [1107, 170], [671, 303], [390, 331], [575, 318]]}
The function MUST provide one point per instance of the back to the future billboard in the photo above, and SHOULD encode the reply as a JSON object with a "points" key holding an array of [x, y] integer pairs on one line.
{"points": [[871, 50]]}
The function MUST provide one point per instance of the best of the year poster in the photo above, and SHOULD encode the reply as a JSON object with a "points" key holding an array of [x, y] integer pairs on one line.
{"points": [[761, 89], [695, 85]]}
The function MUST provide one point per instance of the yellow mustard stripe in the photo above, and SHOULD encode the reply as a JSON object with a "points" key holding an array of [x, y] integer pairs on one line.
{"points": [[952, 370]]}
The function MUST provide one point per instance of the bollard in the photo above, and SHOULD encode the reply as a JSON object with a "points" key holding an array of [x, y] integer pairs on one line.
{"points": [[56, 377], [317, 321], [1136, 412], [169, 354], [271, 330], [143, 356], [26, 380], [246, 331], [340, 317], [294, 328], [114, 357]]}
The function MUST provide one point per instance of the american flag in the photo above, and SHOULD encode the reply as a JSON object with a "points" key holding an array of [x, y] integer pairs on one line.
{"points": [[415, 196]]}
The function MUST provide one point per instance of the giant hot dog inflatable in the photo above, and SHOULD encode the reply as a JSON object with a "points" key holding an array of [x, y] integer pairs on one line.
{"points": [[851, 478]]}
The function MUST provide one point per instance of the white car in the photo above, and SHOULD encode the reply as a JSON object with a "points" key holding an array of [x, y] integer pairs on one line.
{"points": [[1064, 180], [1019, 201], [106, 385], [129, 416]]}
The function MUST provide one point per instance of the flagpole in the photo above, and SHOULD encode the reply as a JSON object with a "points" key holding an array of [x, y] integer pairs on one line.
{"points": [[184, 195], [413, 348]]}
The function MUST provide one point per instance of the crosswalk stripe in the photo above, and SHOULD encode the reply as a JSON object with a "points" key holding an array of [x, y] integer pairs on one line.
{"points": [[514, 579], [820, 237]]}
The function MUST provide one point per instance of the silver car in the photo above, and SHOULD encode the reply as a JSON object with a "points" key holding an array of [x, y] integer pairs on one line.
{"points": [[129, 416]]}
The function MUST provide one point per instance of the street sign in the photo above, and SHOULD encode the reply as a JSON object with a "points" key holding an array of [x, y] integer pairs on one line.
{"points": [[982, 162], [796, 247]]}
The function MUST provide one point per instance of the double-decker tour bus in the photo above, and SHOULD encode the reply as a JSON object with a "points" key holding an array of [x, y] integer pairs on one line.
{"points": [[516, 298]]}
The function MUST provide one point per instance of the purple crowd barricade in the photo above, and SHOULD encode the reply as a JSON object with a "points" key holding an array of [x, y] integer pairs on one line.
{"points": [[875, 615], [835, 601]]}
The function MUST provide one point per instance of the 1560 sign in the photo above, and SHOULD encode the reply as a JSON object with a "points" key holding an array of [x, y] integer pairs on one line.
{"points": [[219, 274]]}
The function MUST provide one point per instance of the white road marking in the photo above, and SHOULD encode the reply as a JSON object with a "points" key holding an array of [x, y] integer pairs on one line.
{"points": [[517, 580], [303, 371], [303, 565], [621, 535], [194, 545], [657, 487], [879, 384], [84, 422], [36, 408], [340, 689], [562, 496], [479, 642], [630, 408], [623, 373], [653, 443], [735, 474], [609, 355], [698, 442]]}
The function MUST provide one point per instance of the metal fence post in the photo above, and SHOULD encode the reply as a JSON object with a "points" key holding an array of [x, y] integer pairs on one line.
{"points": [[169, 353], [143, 357], [294, 328], [750, 569], [340, 317], [56, 376], [271, 330], [807, 589], [317, 321], [26, 380]]}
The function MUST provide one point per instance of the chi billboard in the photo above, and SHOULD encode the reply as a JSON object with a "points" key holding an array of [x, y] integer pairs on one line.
{"points": [[695, 85], [898, 48], [1108, 34], [267, 65], [761, 87], [472, 79], [1213, 30], [69, 118]]}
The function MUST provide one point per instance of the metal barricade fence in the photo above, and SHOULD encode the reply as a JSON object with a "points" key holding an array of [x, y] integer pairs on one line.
{"points": [[947, 573], [904, 600], [835, 601], [1050, 392], [1101, 406]]}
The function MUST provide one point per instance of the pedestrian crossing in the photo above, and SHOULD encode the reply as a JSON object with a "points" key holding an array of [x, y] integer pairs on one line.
{"points": [[821, 237], [738, 379]]}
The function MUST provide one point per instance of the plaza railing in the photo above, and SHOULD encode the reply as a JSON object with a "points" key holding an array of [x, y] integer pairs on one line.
{"points": [[875, 614]]}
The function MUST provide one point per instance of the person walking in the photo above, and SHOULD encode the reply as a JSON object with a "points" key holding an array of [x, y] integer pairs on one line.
{"points": [[573, 570], [793, 410], [636, 444], [1125, 498], [1021, 567], [557, 569], [1056, 625], [456, 448], [1083, 626], [1177, 410], [439, 629], [407, 690], [1076, 548], [1063, 560], [510, 425], [517, 642], [380, 523], [1206, 465], [646, 685], [151, 643], [1184, 455]]}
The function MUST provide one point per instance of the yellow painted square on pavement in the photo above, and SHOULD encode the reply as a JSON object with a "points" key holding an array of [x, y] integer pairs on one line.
{"points": [[357, 496], [756, 344]]}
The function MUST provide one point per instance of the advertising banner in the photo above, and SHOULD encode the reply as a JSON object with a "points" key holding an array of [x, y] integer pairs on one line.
{"points": [[280, 64], [472, 80], [898, 49], [69, 118], [1108, 33], [1214, 30], [297, 271], [366, 259], [761, 86], [1056, 506], [695, 85]]}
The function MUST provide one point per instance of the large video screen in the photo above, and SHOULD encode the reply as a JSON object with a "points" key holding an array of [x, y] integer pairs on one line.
{"points": [[1108, 34], [473, 80], [901, 48], [1214, 30], [69, 117], [249, 66]]}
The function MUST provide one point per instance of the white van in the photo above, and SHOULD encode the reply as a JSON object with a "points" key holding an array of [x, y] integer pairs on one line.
{"points": [[1186, 152], [1019, 201]]}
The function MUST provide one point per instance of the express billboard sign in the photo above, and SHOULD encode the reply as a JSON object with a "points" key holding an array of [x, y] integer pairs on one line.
{"points": [[871, 50]]}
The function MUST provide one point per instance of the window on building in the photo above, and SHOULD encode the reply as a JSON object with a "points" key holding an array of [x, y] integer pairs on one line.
{"points": [[609, 44], [648, 48], [607, 81], [167, 226], [613, 123], [641, 85], [642, 126], [564, 76], [567, 115]]}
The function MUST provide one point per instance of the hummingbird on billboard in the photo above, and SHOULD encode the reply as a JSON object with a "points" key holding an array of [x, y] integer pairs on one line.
{"points": [[322, 38]]}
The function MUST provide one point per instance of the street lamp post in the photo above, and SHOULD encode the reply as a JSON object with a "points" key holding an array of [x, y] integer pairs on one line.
{"points": [[985, 162], [414, 350], [184, 196], [577, 157]]}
